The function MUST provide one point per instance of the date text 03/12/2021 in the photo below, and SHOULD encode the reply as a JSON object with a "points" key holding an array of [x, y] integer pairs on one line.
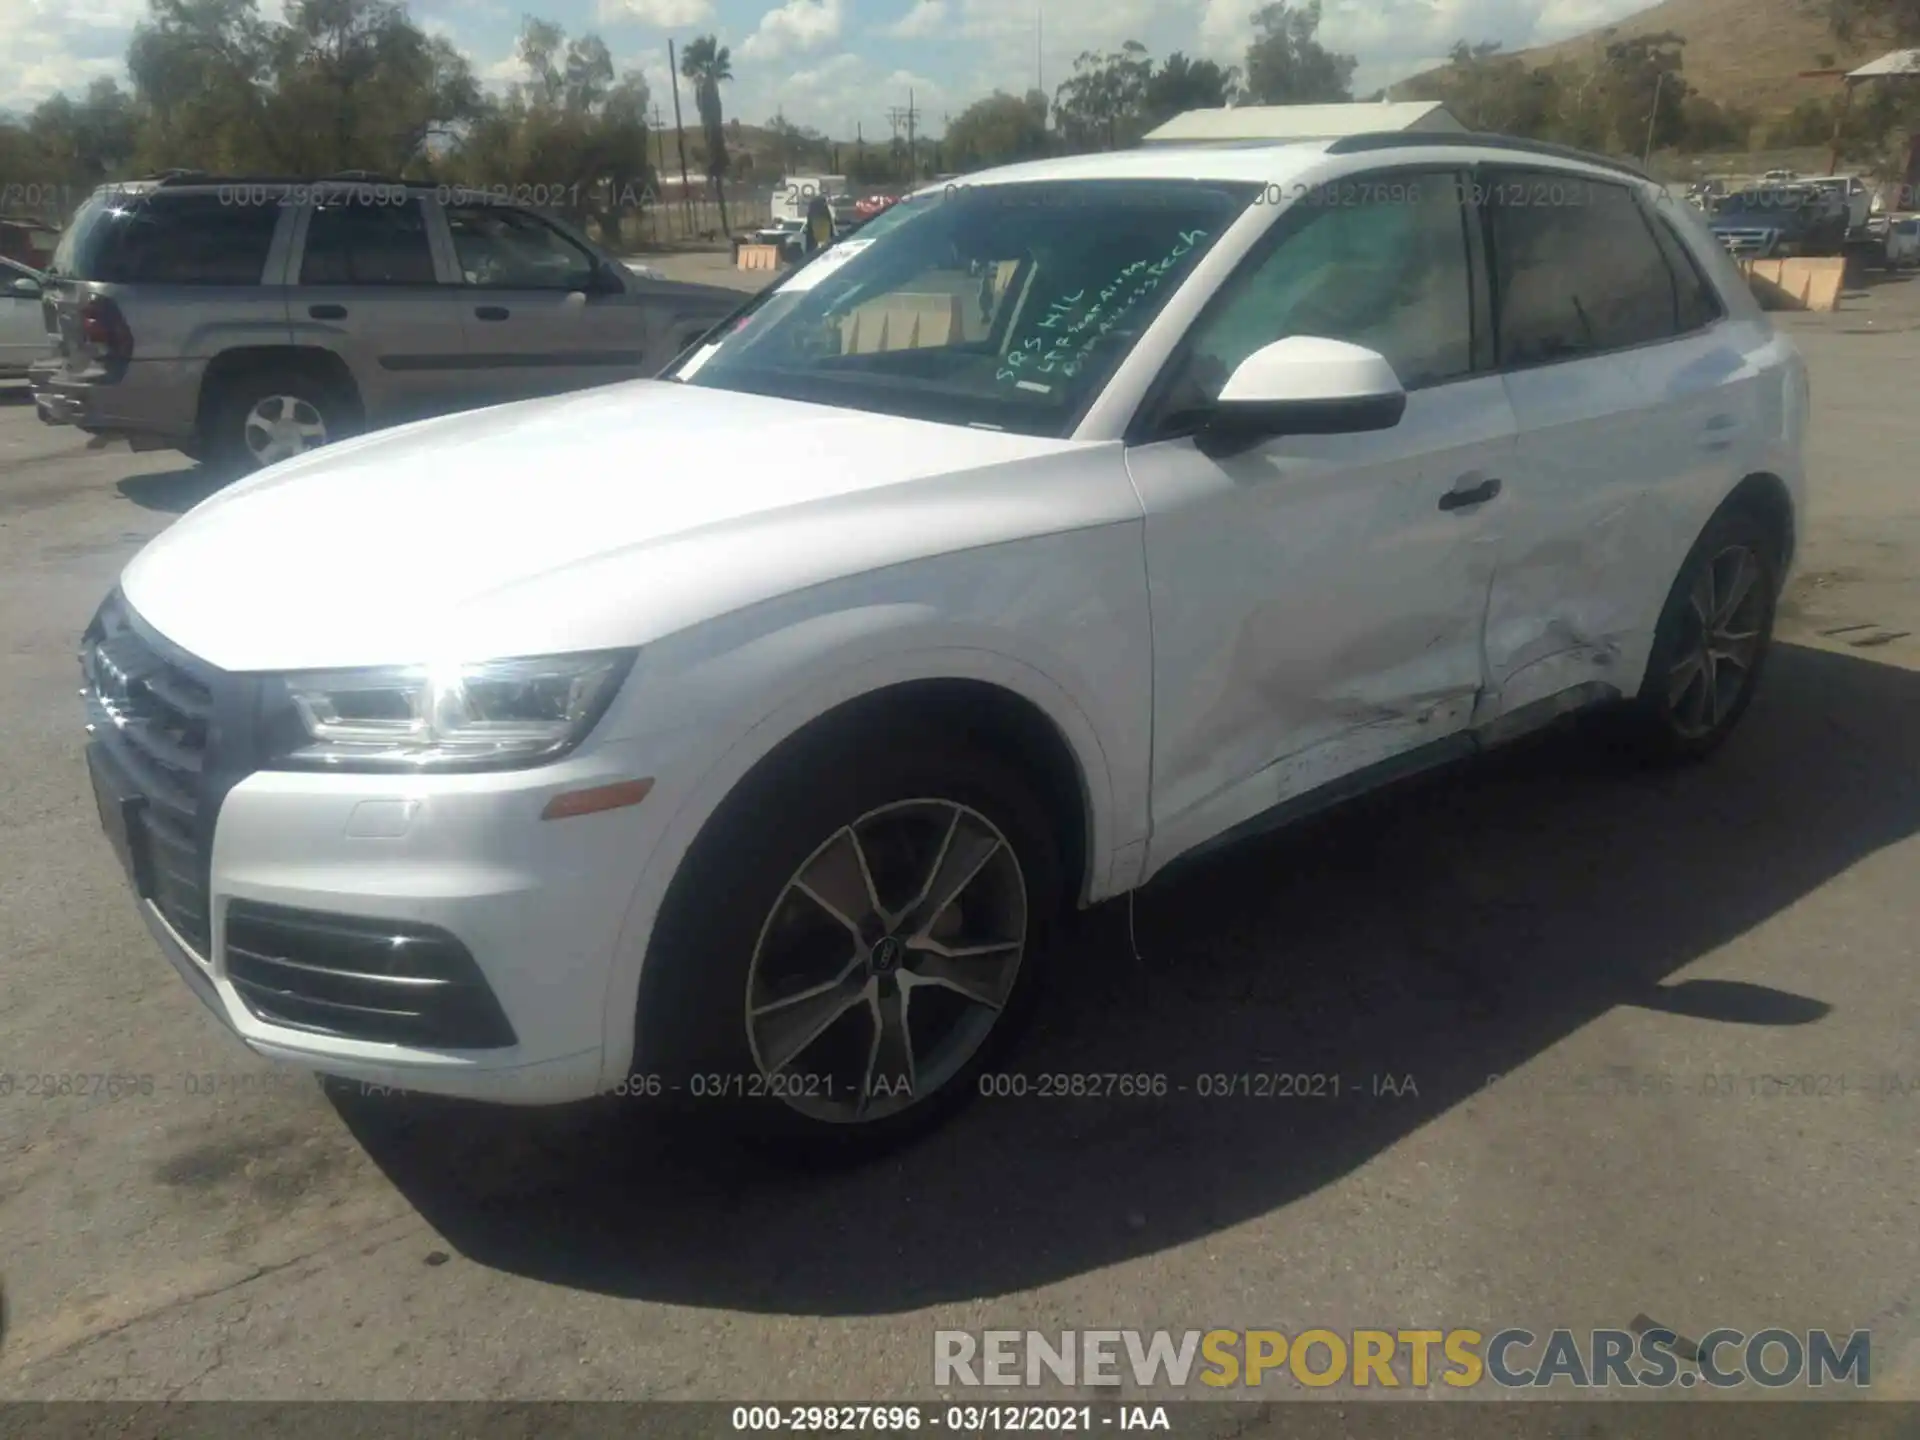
{"points": [[957, 1419]]}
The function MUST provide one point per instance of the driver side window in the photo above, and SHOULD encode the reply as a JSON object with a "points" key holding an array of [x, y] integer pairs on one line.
{"points": [[505, 249], [1380, 262]]}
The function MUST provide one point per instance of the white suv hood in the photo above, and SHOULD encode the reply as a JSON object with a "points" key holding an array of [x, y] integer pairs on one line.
{"points": [[512, 530]]}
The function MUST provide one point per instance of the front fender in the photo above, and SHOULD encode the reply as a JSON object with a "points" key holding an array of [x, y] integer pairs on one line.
{"points": [[1059, 623]]}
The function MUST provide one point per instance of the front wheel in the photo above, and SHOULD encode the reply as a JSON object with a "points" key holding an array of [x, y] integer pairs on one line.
{"points": [[849, 946], [1712, 640]]}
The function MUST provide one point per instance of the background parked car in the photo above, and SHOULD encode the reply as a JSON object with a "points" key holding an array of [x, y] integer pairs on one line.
{"points": [[1903, 242], [245, 320], [23, 329], [27, 239], [1767, 221]]}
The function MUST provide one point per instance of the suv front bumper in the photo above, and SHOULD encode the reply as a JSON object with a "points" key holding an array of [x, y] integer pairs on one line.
{"points": [[418, 932]]}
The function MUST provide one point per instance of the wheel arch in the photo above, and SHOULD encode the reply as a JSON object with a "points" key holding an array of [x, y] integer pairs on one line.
{"points": [[1765, 496], [1022, 714], [311, 360]]}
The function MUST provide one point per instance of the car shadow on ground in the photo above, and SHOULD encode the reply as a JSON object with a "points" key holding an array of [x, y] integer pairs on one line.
{"points": [[176, 490], [15, 393], [1449, 931]]}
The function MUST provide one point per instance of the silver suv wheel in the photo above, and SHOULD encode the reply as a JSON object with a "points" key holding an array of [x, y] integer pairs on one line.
{"points": [[278, 427]]}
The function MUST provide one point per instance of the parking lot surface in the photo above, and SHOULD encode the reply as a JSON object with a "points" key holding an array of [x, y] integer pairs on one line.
{"points": [[1698, 993]]}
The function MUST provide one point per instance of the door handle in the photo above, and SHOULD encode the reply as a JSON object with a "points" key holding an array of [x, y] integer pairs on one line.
{"points": [[491, 312], [1466, 495], [327, 312]]}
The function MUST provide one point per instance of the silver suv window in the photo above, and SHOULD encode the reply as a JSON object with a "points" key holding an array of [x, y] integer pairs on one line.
{"points": [[506, 249], [168, 239], [350, 242]]}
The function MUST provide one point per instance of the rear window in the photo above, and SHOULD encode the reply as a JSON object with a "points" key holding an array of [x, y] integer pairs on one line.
{"points": [[167, 240]]}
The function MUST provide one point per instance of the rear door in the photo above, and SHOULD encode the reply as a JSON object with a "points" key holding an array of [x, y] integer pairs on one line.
{"points": [[369, 290], [1613, 418], [536, 320]]}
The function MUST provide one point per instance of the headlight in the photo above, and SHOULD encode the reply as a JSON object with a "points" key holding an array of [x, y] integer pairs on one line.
{"points": [[495, 715]]}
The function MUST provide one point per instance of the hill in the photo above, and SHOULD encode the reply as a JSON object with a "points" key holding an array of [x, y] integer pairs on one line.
{"points": [[1738, 52]]}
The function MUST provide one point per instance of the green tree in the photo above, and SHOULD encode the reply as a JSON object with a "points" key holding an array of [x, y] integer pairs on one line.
{"points": [[1486, 90], [572, 128], [1643, 88], [1182, 84], [709, 64], [1708, 125], [87, 141], [996, 130], [201, 71], [1101, 105], [357, 85], [1286, 63]]}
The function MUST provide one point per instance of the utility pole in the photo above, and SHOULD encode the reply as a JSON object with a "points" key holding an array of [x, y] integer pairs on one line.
{"points": [[1652, 117], [896, 117], [913, 160], [1038, 73], [686, 183], [660, 136]]}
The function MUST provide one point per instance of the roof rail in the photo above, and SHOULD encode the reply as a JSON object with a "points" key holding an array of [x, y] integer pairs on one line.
{"points": [[342, 177], [1395, 139]]}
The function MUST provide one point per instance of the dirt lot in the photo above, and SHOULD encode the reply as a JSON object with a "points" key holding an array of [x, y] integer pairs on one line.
{"points": [[1579, 931]]}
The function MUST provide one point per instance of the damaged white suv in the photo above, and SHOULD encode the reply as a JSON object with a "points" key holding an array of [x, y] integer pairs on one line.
{"points": [[1118, 505]]}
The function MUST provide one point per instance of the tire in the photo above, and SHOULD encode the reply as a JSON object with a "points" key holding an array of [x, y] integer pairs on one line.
{"points": [[1693, 695], [734, 919], [232, 440]]}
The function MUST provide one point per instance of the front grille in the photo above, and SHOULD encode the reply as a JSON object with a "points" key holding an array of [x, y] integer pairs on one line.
{"points": [[152, 707], [358, 979]]}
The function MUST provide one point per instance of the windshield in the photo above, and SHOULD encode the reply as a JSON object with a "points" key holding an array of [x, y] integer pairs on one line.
{"points": [[1000, 306]]}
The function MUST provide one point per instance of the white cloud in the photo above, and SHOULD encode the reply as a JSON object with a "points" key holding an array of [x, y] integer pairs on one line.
{"points": [[796, 25], [840, 95], [665, 14], [927, 17]]}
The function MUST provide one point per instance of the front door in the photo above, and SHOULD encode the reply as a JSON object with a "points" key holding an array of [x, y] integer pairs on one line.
{"points": [[536, 321], [1318, 600]]}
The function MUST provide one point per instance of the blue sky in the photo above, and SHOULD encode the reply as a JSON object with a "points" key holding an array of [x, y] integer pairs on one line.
{"points": [[835, 64]]}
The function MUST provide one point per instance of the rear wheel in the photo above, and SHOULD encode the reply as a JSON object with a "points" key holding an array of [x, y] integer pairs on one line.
{"points": [[1712, 640], [849, 946], [260, 420]]}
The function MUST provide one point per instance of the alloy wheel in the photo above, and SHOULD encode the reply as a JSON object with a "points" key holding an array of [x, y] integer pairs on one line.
{"points": [[1720, 643], [886, 961], [278, 427]]}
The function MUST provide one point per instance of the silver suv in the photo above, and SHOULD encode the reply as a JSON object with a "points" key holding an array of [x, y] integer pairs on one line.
{"points": [[243, 321]]}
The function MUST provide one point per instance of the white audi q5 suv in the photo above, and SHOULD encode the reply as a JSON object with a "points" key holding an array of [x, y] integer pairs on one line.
{"points": [[742, 735]]}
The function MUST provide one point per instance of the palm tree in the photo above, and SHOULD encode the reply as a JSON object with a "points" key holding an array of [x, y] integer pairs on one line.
{"points": [[706, 62]]}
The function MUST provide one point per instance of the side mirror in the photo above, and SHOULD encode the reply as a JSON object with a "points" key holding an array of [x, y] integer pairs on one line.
{"points": [[606, 280], [25, 288], [1303, 385]]}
